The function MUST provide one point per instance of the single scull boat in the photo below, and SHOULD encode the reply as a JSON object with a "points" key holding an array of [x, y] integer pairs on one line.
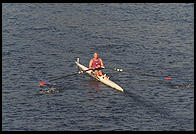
{"points": [[102, 79]]}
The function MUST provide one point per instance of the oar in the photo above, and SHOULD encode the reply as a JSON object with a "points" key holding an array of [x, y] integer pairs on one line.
{"points": [[46, 82], [140, 73]]}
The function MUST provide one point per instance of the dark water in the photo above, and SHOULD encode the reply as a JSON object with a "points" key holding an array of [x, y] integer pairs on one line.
{"points": [[43, 40]]}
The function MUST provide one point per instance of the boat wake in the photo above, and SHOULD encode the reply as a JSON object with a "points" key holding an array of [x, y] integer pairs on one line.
{"points": [[143, 102], [183, 86], [154, 108], [48, 89]]}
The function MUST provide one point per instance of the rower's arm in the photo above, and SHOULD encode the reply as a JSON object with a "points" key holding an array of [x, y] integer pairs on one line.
{"points": [[90, 64], [102, 65]]}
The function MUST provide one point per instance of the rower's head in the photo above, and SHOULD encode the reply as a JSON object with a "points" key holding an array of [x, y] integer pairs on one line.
{"points": [[95, 55]]}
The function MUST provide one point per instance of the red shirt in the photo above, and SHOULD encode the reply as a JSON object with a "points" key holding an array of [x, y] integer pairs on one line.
{"points": [[96, 63]]}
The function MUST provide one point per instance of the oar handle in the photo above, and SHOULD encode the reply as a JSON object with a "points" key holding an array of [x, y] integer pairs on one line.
{"points": [[83, 71]]}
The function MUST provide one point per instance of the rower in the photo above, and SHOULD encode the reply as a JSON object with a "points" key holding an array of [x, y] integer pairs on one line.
{"points": [[96, 62]]}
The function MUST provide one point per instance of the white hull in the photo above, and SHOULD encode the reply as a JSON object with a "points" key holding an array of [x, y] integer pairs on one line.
{"points": [[102, 79]]}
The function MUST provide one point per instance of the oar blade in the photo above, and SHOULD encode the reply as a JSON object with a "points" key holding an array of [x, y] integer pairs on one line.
{"points": [[167, 78], [41, 83]]}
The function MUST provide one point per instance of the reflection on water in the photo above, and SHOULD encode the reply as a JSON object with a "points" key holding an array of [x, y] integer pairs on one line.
{"points": [[93, 84], [93, 88]]}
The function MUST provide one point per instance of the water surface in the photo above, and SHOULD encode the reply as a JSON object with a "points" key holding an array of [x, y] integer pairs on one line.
{"points": [[43, 41]]}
